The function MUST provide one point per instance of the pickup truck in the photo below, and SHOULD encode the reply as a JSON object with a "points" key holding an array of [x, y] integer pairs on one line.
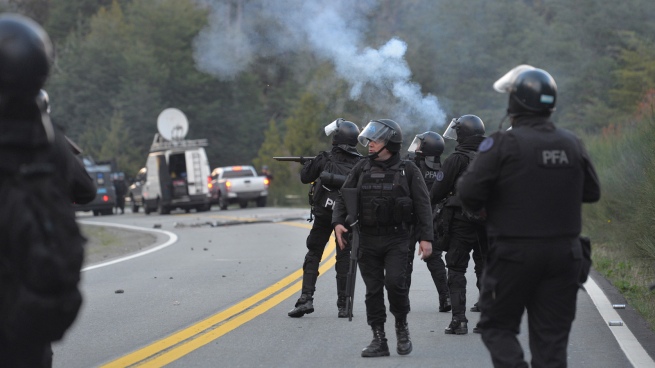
{"points": [[238, 184]]}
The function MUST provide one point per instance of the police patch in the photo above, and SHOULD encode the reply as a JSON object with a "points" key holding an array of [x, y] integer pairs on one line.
{"points": [[486, 144], [439, 176]]}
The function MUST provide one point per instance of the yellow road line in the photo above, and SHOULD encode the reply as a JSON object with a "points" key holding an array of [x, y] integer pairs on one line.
{"points": [[173, 347], [200, 341]]}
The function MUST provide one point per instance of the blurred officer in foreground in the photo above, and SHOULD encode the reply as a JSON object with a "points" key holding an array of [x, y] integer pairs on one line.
{"points": [[327, 171], [462, 233], [427, 149], [29, 141], [532, 181], [392, 198]]}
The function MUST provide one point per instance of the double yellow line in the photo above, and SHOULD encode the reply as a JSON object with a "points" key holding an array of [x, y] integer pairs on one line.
{"points": [[183, 342]]}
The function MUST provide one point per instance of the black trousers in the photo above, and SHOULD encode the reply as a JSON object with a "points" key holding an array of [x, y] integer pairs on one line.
{"points": [[383, 264], [541, 278], [435, 265], [464, 237], [317, 239]]}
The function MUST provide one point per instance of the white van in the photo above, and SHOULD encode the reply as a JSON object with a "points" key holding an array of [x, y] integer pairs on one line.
{"points": [[177, 175]]}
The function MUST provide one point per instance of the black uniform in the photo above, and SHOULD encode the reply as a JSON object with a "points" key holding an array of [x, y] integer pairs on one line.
{"points": [[389, 191], [324, 198], [532, 181], [121, 190], [434, 262], [19, 139], [464, 235]]}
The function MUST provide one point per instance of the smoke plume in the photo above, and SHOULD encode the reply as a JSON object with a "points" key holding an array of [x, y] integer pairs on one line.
{"points": [[241, 30]]}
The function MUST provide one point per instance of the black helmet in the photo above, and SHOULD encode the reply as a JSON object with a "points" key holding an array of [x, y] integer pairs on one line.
{"points": [[26, 54], [464, 127], [382, 130], [427, 144], [345, 132], [531, 90]]}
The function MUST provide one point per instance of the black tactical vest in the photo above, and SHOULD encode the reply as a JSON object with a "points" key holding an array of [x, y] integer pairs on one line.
{"points": [[542, 187], [384, 196], [429, 174]]}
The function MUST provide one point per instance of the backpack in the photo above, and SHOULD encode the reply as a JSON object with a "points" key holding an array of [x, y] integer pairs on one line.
{"points": [[322, 194], [41, 254]]}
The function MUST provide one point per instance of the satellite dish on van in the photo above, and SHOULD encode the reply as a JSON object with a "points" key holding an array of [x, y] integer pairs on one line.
{"points": [[172, 124]]}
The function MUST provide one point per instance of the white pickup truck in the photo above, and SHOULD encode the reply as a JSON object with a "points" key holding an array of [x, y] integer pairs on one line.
{"points": [[238, 184]]}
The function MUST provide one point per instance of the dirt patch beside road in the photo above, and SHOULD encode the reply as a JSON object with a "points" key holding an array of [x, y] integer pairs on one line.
{"points": [[106, 243]]}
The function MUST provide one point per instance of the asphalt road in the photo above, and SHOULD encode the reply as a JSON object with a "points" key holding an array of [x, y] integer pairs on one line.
{"points": [[215, 288]]}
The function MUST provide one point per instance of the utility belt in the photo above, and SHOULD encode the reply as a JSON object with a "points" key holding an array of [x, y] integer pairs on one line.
{"points": [[384, 230]]}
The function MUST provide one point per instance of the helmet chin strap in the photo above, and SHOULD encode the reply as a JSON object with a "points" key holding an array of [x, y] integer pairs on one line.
{"points": [[376, 154]]}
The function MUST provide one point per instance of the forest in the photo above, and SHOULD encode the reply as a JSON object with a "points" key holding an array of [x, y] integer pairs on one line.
{"points": [[260, 78]]}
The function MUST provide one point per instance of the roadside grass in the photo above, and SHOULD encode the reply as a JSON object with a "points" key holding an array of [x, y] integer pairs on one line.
{"points": [[99, 237], [631, 275], [622, 224]]}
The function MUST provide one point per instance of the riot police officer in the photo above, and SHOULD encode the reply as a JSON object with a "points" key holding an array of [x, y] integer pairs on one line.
{"points": [[327, 171], [532, 181], [26, 56], [462, 234], [392, 198], [427, 149]]}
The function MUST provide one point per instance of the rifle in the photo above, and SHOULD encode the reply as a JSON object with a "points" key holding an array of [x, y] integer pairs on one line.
{"points": [[300, 159], [350, 199]]}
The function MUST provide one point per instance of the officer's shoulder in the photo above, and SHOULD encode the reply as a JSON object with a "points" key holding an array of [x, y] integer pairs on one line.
{"points": [[361, 163], [409, 163], [568, 133], [493, 141]]}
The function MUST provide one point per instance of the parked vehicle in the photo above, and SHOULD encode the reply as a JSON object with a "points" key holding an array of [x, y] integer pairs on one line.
{"points": [[176, 175], [238, 184], [105, 199]]}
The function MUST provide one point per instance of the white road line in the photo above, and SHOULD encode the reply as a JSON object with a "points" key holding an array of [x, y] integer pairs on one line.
{"points": [[172, 238], [627, 341]]}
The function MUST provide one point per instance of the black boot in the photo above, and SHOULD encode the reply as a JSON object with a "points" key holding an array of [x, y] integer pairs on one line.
{"points": [[404, 345], [341, 304], [341, 296], [304, 305], [444, 304], [457, 327], [378, 347], [475, 308]]}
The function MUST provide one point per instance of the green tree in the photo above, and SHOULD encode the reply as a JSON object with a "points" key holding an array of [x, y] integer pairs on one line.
{"points": [[118, 146], [304, 128], [286, 179], [635, 74], [70, 16]]}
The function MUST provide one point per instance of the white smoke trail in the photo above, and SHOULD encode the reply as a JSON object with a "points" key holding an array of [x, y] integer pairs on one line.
{"points": [[241, 30]]}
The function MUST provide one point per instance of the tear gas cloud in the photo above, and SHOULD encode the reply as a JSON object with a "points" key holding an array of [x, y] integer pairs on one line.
{"points": [[240, 31]]}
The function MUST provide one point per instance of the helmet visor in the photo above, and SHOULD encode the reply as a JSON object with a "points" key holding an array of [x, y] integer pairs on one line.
{"points": [[505, 83], [416, 144], [374, 131], [451, 132], [332, 127]]}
